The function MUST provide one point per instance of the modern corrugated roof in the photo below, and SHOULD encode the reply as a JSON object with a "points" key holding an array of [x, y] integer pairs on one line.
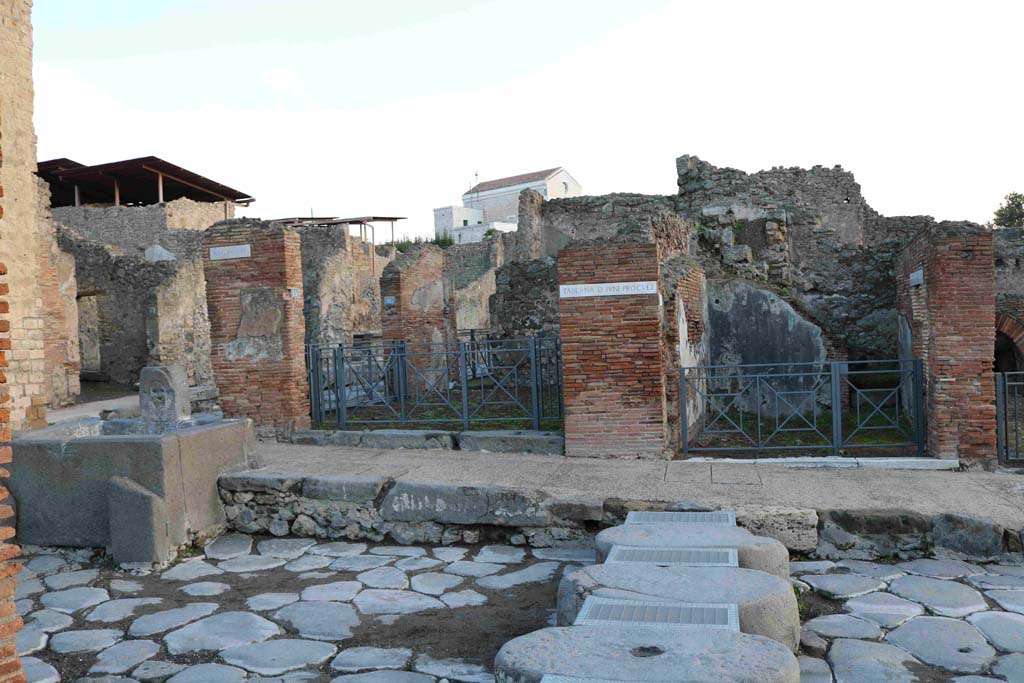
{"points": [[513, 180]]}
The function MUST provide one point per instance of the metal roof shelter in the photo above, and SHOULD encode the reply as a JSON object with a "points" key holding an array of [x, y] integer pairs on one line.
{"points": [[132, 182], [364, 222]]}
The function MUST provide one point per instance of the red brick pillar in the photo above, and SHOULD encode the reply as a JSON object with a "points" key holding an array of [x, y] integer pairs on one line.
{"points": [[611, 346], [946, 295], [257, 329]]}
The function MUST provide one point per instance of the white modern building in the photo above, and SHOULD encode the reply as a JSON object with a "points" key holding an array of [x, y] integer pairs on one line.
{"points": [[494, 204]]}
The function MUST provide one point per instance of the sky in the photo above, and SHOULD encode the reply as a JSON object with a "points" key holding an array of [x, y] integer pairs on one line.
{"points": [[394, 107]]}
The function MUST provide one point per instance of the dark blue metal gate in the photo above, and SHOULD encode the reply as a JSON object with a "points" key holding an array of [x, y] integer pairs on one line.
{"points": [[1010, 417]]}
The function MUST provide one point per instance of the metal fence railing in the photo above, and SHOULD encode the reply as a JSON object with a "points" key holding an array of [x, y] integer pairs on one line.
{"points": [[827, 406], [1010, 417], [511, 383]]}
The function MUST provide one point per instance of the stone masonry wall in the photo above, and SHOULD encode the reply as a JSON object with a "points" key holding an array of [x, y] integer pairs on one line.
{"points": [[611, 345], [257, 327], [134, 226], [951, 319], [474, 275], [525, 300]]}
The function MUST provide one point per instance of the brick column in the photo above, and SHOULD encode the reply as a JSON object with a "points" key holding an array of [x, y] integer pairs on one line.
{"points": [[612, 355], [946, 297], [257, 330]]}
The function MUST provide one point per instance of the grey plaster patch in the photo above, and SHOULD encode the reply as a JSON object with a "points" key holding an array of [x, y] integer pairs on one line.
{"points": [[940, 569], [950, 643], [501, 554], [38, 671], [844, 626], [385, 577], [860, 661], [156, 671], [450, 554], [228, 546], [338, 549], [358, 659], [536, 573], [308, 563], [319, 620], [465, 598], [1005, 630], [116, 610], [885, 609], [358, 563], [219, 632], [275, 657], [417, 564], [1011, 601], [191, 570], [338, 591], [159, 622], [268, 601], [394, 602], [886, 572], [473, 569], [209, 673], [398, 550], [123, 656], [74, 599], [435, 583], [86, 640], [48, 621], [945, 598], [250, 563], [205, 588], [1010, 667], [285, 548], [843, 586]]}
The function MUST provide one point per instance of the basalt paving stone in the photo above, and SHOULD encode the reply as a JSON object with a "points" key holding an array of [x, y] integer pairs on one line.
{"points": [[45, 564], [209, 673], [123, 656], [435, 583], [23, 607], [844, 626], [358, 563], [38, 671], [1005, 630], [385, 677], [158, 622], [842, 586], [398, 550], [338, 549], [452, 669], [501, 554], [338, 591], [205, 588], [275, 657], [156, 671], [940, 569], [863, 661], [26, 589], [318, 620], [228, 546], [86, 640], [886, 572], [69, 579], [977, 679], [251, 563], [191, 570], [375, 601], [811, 567], [474, 569], [385, 577], [536, 573], [359, 659], [417, 564], [465, 598], [268, 601], [945, 598], [308, 563], [219, 632], [315, 576], [450, 554], [124, 586], [580, 555], [885, 609], [48, 621], [997, 582], [29, 641], [72, 600], [1012, 601], [285, 548], [122, 608], [950, 643], [1006, 569], [1010, 667], [644, 655], [813, 670]]}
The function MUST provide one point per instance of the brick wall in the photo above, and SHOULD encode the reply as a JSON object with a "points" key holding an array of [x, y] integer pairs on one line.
{"points": [[952, 322], [419, 304], [685, 334], [257, 329], [612, 349]]}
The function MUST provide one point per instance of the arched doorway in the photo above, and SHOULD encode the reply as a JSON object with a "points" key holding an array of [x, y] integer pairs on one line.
{"points": [[1008, 356]]}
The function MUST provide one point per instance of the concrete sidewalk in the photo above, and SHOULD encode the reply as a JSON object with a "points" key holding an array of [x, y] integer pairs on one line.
{"points": [[996, 495]]}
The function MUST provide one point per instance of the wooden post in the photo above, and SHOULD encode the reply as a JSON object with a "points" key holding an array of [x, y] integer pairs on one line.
{"points": [[78, 197], [160, 188], [117, 193]]}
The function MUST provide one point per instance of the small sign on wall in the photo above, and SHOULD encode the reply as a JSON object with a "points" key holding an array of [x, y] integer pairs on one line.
{"points": [[389, 301], [607, 289], [233, 251], [917, 278]]}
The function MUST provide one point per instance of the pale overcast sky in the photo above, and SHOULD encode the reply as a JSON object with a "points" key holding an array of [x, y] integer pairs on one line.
{"points": [[355, 107]]}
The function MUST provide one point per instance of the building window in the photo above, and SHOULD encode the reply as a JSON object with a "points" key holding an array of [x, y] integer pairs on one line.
{"points": [[465, 222], [565, 187]]}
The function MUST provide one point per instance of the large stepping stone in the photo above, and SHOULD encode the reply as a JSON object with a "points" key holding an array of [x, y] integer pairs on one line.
{"points": [[766, 604], [88, 640], [536, 573], [338, 591], [811, 567], [126, 655], [38, 671], [395, 602], [116, 610], [1005, 630], [319, 620], [44, 564], [228, 546], [209, 673], [278, 656], [940, 569], [950, 643], [220, 632], [385, 577], [862, 661], [158, 622], [755, 552], [1011, 601], [844, 626], [190, 571], [72, 600], [885, 609], [646, 655], [843, 586], [358, 659], [474, 569], [945, 598], [285, 548]]}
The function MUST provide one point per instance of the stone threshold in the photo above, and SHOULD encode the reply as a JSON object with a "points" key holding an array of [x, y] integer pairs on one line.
{"points": [[839, 462], [492, 441]]}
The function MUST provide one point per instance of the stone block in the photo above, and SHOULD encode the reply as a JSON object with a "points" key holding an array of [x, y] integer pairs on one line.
{"points": [[969, 536], [320, 437], [795, 528], [407, 438], [343, 488], [137, 522], [268, 482], [164, 397], [512, 441], [453, 504]]}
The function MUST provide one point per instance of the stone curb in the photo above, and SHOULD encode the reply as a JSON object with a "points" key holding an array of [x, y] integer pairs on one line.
{"points": [[494, 441]]}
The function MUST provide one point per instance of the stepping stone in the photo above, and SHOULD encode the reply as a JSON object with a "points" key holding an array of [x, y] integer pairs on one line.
{"points": [[435, 583], [74, 599], [308, 563], [38, 671], [1010, 667], [450, 554], [452, 669], [44, 564], [1011, 601], [666, 655], [501, 554], [228, 546], [88, 640], [473, 569], [398, 550], [466, 598], [844, 626], [265, 602], [158, 622], [394, 602], [861, 661], [29, 641], [885, 609], [385, 677], [357, 659], [417, 564], [278, 656], [285, 548], [358, 563], [579, 555], [220, 632], [26, 589], [123, 586], [156, 671], [998, 582], [1005, 630], [48, 621], [766, 604], [338, 549], [319, 620], [250, 563], [940, 641], [536, 573], [205, 588], [755, 552], [128, 654], [886, 572], [116, 610], [190, 571], [385, 577], [209, 673], [945, 598], [814, 670], [816, 567], [940, 569], [339, 591], [842, 586]]}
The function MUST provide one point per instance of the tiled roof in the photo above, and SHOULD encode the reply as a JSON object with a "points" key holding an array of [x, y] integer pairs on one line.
{"points": [[513, 180]]}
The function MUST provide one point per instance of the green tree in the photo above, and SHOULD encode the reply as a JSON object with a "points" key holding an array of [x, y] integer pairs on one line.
{"points": [[1011, 213]]}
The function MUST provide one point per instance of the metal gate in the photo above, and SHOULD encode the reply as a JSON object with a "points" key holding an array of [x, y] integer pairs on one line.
{"points": [[508, 383], [1009, 417], [829, 406]]}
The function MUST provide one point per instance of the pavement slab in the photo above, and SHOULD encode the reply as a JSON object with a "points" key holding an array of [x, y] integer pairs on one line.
{"points": [[384, 676], [69, 579], [158, 622], [376, 601], [385, 577], [435, 583], [308, 563], [358, 563], [228, 546], [48, 621], [285, 548], [38, 671], [501, 554], [209, 673], [875, 570], [72, 600], [1011, 601], [861, 661], [464, 598], [275, 657], [205, 588], [417, 564], [950, 643], [338, 549], [945, 598], [813, 670], [1010, 667], [1005, 630], [154, 670], [885, 609], [86, 640], [337, 591], [940, 569], [358, 659], [251, 563], [219, 632], [265, 602], [319, 620], [842, 586], [119, 658], [474, 569], [190, 570], [536, 573], [117, 610], [844, 626]]}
